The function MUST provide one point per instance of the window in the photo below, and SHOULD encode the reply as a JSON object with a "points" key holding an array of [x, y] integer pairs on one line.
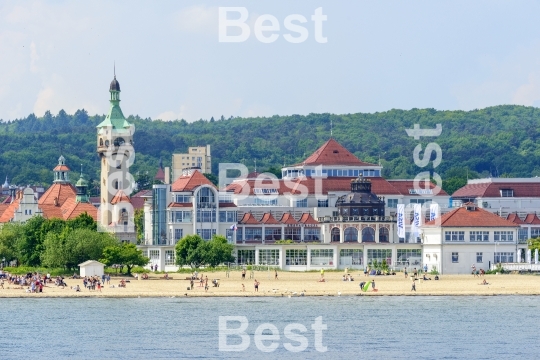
{"points": [[178, 234], [455, 257], [454, 235], [503, 257], [419, 201], [206, 234], [523, 234], [206, 215], [301, 203], [322, 257], [409, 257], [507, 193], [351, 234], [180, 216], [170, 257], [479, 257], [258, 201], [268, 257], [335, 235], [253, 233], [322, 203], [226, 198], [479, 236], [312, 234], [384, 235], [351, 257], [392, 203], [295, 257], [292, 233], [229, 235], [368, 234], [379, 255], [503, 236], [535, 232], [205, 196], [272, 233], [154, 255], [183, 198], [246, 257], [239, 234]]}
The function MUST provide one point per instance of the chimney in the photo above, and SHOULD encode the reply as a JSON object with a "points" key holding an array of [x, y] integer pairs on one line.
{"points": [[167, 179], [55, 201]]}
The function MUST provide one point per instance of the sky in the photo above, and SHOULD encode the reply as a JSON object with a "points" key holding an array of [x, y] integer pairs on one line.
{"points": [[367, 56]]}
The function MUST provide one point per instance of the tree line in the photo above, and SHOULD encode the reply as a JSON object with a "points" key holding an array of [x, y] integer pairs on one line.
{"points": [[496, 141]]}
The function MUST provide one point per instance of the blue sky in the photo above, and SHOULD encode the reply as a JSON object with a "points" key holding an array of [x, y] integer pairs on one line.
{"points": [[379, 55]]}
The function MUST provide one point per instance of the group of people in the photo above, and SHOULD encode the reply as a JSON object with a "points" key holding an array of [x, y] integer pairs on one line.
{"points": [[477, 272], [347, 277], [33, 282], [93, 282]]}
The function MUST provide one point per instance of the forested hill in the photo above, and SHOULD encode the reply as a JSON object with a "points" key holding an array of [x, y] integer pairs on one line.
{"points": [[496, 141]]}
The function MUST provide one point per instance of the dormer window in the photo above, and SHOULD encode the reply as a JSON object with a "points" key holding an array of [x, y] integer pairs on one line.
{"points": [[507, 193]]}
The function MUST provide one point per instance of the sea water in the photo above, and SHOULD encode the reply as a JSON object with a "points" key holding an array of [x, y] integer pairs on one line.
{"points": [[374, 327]]}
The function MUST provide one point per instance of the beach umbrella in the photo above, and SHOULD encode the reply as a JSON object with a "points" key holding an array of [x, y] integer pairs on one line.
{"points": [[529, 256], [536, 256]]}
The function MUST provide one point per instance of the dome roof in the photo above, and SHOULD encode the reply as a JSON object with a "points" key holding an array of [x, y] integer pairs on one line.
{"points": [[115, 85], [81, 182]]}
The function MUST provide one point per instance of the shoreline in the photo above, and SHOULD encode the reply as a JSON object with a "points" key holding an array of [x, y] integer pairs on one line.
{"points": [[291, 284]]}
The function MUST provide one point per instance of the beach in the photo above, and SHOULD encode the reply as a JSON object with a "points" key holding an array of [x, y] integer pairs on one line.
{"points": [[293, 284]]}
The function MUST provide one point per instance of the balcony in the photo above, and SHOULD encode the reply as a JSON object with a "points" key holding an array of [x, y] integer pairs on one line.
{"points": [[329, 219]]}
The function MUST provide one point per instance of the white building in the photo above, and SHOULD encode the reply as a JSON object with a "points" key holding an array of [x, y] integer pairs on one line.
{"points": [[91, 268], [469, 236], [197, 157]]}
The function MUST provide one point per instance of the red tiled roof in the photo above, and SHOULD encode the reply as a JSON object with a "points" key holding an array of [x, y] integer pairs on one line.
{"points": [[493, 189], [190, 182], [3, 208], [287, 218], [137, 202], [461, 217], [7, 200], [61, 168], [307, 219], [333, 153], [249, 219], [379, 185], [51, 211], [71, 209], [160, 175], [142, 193], [269, 219], [61, 191], [532, 219], [180, 205], [514, 218], [227, 205], [9, 212], [403, 186], [120, 197]]}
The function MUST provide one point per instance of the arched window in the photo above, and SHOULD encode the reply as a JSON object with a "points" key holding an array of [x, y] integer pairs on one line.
{"points": [[335, 235], [368, 234], [100, 142], [205, 196], [351, 234], [383, 235]]}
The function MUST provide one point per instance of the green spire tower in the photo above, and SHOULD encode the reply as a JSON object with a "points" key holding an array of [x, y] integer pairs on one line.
{"points": [[82, 186]]}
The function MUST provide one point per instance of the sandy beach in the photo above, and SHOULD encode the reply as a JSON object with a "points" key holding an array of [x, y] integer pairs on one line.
{"points": [[294, 284]]}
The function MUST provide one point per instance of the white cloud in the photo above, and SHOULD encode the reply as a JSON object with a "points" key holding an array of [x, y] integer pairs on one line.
{"points": [[33, 57], [528, 94], [171, 115], [44, 101]]}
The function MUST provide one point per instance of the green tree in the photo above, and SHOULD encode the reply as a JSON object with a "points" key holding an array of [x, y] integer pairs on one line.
{"points": [[139, 225], [125, 254], [72, 247], [213, 178], [10, 234], [190, 250], [533, 245], [218, 251], [30, 244]]}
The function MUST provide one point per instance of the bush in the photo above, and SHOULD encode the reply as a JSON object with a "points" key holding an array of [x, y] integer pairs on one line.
{"points": [[434, 271], [22, 270], [139, 270]]}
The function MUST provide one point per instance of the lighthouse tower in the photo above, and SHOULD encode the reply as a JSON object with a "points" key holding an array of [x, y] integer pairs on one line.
{"points": [[115, 149]]}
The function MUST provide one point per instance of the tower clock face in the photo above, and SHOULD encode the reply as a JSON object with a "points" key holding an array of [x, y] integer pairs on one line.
{"points": [[106, 142], [119, 141]]}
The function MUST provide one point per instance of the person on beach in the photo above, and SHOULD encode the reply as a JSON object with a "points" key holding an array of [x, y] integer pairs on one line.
{"points": [[322, 273], [206, 283], [201, 282], [99, 286], [425, 268], [362, 284], [275, 275], [373, 285], [243, 288], [413, 288], [256, 284], [365, 271], [473, 267], [415, 273], [243, 274], [406, 274]]}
